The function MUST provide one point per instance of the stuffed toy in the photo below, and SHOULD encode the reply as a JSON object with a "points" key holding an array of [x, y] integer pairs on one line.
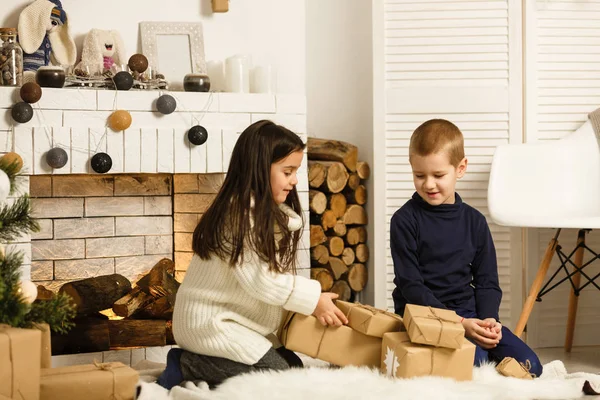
{"points": [[101, 51], [44, 36]]}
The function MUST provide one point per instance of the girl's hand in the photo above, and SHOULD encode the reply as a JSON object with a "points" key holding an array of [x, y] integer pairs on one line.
{"points": [[479, 331], [327, 313]]}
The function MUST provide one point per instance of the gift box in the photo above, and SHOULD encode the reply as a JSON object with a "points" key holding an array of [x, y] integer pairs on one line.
{"points": [[90, 382], [433, 326], [338, 345], [20, 353], [370, 320], [511, 367], [403, 359]]}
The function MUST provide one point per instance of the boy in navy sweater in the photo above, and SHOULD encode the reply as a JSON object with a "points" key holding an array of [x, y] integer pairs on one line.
{"points": [[443, 251]]}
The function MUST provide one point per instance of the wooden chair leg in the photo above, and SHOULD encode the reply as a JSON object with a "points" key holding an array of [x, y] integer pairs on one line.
{"points": [[574, 299], [537, 284]]}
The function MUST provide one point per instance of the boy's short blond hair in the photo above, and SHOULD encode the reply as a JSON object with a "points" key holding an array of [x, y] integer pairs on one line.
{"points": [[438, 135]]}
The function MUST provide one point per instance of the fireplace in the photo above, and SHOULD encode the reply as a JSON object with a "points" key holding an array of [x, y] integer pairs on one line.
{"points": [[146, 207]]}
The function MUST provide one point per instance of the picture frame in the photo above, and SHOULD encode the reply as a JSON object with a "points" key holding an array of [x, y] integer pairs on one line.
{"points": [[174, 49]]}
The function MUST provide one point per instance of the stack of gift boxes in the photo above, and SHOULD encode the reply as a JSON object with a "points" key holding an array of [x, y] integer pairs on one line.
{"points": [[26, 372], [429, 341]]}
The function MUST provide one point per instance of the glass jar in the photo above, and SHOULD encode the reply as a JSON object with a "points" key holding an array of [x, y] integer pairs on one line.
{"points": [[11, 58]]}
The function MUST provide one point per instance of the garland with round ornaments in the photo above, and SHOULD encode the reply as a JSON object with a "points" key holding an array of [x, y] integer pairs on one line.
{"points": [[118, 120]]}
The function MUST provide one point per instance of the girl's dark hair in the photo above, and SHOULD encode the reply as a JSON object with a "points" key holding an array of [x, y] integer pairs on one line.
{"points": [[226, 226]]}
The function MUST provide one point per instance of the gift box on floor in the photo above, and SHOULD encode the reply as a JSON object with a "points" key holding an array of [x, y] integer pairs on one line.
{"points": [[511, 367], [90, 382], [370, 320], [338, 345], [433, 326], [403, 359], [20, 353]]}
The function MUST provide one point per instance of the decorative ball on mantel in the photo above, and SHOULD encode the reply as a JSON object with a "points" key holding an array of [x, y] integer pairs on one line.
{"points": [[57, 157], [22, 112], [197, 135], [31, 92], [4, 186], [101, 163], [11, 158], [119, 120], [138, 63], [123, 80], [28, 291], [166, 104]]}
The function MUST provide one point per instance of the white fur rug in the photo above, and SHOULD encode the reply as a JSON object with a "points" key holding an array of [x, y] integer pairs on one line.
{"points": [[361, 383]]}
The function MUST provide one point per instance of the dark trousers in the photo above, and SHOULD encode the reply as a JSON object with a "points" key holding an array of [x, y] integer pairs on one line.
{"points": [[214, 370], [509, 346]]}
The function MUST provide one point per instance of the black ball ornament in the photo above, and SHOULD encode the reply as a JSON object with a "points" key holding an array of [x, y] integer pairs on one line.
{"points": [[22, 112], [101, 163], [123, 80], [57, 157], [166, 104], [197, 135]]}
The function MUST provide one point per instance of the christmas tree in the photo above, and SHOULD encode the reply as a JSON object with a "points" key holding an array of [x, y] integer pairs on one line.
{"points": [[18, 307]]}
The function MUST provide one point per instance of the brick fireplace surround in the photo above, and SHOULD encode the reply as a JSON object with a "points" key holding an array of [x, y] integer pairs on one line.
{"points": [[146, 207]]}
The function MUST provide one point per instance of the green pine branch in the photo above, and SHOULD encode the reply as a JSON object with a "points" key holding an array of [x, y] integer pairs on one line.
{"points": [[57, 312], [15, 219], [13, 307]]}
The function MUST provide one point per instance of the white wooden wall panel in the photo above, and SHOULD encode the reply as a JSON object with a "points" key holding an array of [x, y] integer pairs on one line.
{"points": [[563, 74], [456, 60]]}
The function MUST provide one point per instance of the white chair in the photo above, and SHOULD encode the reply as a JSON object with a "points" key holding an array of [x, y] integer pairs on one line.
{"points": [[553, 184]]}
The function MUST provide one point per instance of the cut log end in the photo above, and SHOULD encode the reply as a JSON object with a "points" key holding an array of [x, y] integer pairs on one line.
{"points": [[342, 289], [323, 276], [357, 277]]}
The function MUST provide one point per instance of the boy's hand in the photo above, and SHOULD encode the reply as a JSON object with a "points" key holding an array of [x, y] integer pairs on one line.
{"points": [[495, 326], [327, 313], [483, 332]]}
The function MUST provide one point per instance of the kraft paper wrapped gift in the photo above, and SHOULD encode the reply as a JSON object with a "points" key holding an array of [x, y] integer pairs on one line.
{"points": [[511, 367], [337, 345], [370, 320], [20, 354], [90, 382], [403, 359], [433, 326]]}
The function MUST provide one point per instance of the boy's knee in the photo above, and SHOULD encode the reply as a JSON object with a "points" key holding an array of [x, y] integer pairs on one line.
{"points": [[534, 365]]}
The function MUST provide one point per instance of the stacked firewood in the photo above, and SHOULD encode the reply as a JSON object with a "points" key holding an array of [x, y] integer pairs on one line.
{"points": [[338, 219]]}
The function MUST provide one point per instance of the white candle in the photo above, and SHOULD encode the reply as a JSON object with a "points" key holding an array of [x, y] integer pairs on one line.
{"points": [[216, 73], [237, 77], [263, 79]]}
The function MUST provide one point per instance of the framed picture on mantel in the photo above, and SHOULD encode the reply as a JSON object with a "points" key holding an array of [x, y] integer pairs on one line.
{"points": [[174, 49]]}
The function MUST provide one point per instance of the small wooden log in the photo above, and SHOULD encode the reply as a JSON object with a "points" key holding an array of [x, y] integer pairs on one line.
{"points": [[317, 201], [128, 304], [356, 235], [317, 235], [335, 245], [337, 204], [160, 281], [160, 308], [363, 170], [337, 267], [356, 196], [353, 181], [89, 335], [339, 229], [357, 277], [323, 276], [342, 289], [137, 332], [362, 253], [328, 220], [355, 215], [332, 150], [336, 176], [348, 256], [43, 293], [96, 294], [320, 254], [316, 175]]}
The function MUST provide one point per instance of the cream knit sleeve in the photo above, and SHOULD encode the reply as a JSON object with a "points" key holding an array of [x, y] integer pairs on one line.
{"points": [[292, 292]]}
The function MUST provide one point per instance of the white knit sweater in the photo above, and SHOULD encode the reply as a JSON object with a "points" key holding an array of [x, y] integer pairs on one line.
{"points": [[227, 312]]}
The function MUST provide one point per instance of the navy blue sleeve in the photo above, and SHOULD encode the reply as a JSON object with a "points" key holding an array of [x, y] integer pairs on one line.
{"points": [[403, 243], [485, 274]]}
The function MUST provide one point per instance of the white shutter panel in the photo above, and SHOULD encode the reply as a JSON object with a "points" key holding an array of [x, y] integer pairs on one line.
{"points": [[452, 60], [563, 75]]}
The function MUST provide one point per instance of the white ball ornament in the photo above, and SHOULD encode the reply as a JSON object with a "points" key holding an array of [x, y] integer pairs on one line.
{"points": [[4, 186], [28, 290]]}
